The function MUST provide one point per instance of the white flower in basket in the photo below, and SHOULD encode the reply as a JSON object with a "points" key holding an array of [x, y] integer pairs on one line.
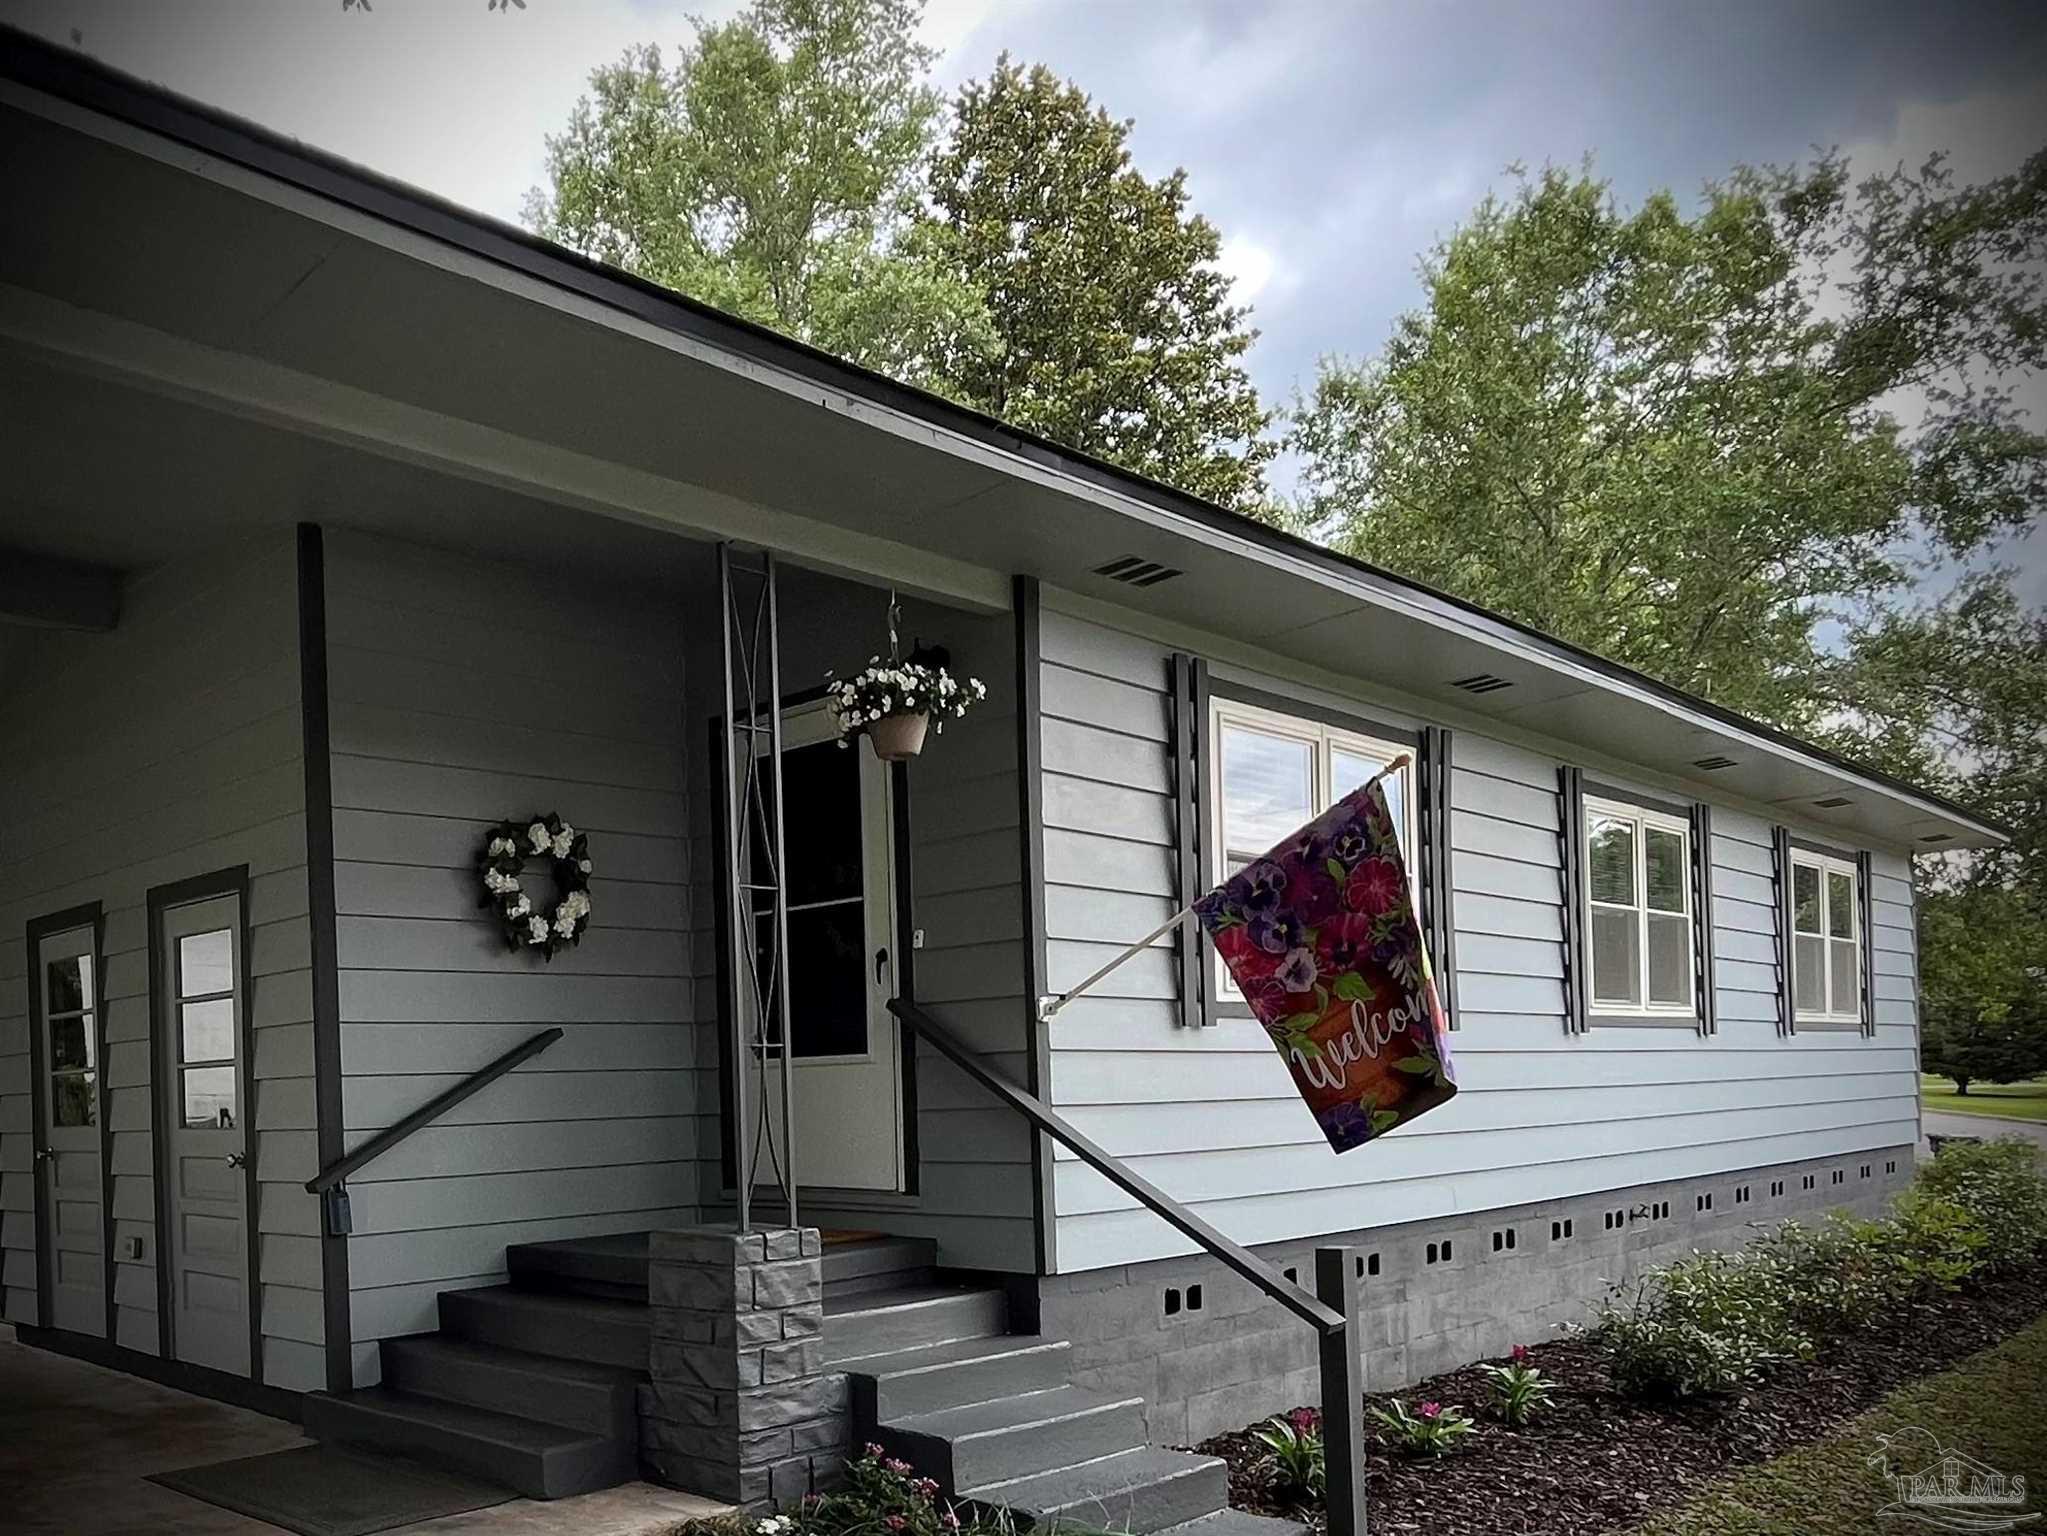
{"points": [[892, 703]]}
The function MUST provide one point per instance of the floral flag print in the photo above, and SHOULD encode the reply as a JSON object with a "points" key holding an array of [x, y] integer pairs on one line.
{"points": [[1322, 939]]}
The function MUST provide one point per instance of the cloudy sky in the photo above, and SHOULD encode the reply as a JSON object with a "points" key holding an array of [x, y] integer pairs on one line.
{"points": [[1331, 141]]}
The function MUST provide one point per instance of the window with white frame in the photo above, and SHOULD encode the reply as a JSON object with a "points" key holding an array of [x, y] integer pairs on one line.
{"points": [[1826, 939], [1638, 886], [1274, 772]]}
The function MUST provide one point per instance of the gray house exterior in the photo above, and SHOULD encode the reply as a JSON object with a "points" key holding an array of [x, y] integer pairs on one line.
{"points": [[345, 524]]}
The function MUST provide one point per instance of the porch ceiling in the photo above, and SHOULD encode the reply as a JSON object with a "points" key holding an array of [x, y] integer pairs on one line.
{"points": [[191, 349]]}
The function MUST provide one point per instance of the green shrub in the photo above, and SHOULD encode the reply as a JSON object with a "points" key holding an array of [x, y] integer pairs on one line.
{"points": [[1431, 1430], [1933, 1243], [1710, 1323], [1519, 1390], [1999, 1184]]}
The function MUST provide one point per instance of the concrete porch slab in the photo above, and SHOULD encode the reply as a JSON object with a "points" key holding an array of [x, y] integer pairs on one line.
{"points": [[78, 1443]]}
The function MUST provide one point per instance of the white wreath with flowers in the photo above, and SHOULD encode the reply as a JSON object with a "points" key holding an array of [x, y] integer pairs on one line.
{"points": [[505, 852]]}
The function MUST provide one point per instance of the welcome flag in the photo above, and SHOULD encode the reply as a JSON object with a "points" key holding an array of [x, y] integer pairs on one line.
{"points": [[1322, 938]]}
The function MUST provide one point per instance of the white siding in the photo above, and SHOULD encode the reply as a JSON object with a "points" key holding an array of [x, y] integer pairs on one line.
{"points": [[463, 693], [1210, 1115], [974, 1196], [169, 748]]}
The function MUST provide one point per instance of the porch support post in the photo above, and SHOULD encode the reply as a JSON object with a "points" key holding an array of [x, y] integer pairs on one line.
{"points": [[779, 851], [735, 896], [1343, 1392]]}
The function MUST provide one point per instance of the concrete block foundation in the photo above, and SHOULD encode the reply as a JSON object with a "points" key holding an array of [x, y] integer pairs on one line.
{"points": [[1439, 1294]]}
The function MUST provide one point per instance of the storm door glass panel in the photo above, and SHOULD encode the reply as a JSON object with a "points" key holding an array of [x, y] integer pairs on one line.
{"points": [[1616, 924], [1666, 885], [206, 1030], [823, 840], [1268, 790], [74, 1048]]}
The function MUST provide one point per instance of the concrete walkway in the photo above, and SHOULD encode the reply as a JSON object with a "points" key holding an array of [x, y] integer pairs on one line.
{"points": [[78, 1443], [1946, 1122]]}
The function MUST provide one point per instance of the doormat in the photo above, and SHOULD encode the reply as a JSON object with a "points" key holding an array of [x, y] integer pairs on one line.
{"points": [[322, 1490]]}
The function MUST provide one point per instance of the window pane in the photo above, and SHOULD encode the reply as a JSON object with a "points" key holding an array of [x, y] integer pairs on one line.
{"points": [[209, 1030], [1667, 872], [1809, 973], [1670, 959], [1805, 898], [74, 1099], [71, 1043], [209, 1097], [1616, 957], [1348, 771], [1268, 788], [829, 963], [70, 984], [821, 827], [1847, 985], [1613, 860], [1840, 905], [206, 963]]}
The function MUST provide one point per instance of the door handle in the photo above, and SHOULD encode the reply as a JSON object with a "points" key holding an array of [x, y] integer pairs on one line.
{"points": [[880, 962], [237, 1160], [44, 1154]]}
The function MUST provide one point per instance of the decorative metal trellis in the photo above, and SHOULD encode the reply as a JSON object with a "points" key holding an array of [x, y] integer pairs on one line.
{"points": [[758, 1031]]}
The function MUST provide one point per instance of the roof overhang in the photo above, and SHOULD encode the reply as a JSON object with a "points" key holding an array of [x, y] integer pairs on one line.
{"points": [[231, 298]]}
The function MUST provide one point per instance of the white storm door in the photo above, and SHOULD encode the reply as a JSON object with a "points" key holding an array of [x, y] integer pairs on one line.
{"points": [[846, 1071], [69, 1193], [203, 1123]]}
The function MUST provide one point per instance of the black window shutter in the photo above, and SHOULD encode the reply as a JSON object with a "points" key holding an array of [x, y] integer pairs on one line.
{"points": [[1702, 925], [1780, 882], [1188, 681], [1432, 825], [1571, 879], [1865, 870]]}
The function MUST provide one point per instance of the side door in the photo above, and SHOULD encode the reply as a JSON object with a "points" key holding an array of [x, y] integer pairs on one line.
{"points": [[69, 1192], [202, 1121]]}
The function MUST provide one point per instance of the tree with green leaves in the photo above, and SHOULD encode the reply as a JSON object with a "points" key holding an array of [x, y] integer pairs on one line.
{"points": [[773, 170], [1983, 1009], [1685, 439], [1117, 334]]}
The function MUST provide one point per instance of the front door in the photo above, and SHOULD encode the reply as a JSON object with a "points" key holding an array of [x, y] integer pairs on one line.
{"points": [[204, 1126], [839, 836], [70, 1227]]}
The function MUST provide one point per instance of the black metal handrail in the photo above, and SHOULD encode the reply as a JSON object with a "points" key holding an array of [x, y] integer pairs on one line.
{"points": [[1302, 1303], [337, 1173]]}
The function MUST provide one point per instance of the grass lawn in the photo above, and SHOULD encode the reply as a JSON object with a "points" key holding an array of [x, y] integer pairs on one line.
{"points": [[1990, 1407], [2010, 1101]]}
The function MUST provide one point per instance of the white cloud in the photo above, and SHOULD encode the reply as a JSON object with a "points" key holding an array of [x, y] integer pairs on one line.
{"points": [[1249, 266]]}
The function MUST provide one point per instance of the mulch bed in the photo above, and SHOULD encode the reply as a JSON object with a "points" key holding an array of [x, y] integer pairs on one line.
{"points": [[1599, 1462]]}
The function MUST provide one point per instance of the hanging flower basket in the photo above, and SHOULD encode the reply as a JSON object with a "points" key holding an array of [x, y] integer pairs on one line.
{"points": [[893, 703]]}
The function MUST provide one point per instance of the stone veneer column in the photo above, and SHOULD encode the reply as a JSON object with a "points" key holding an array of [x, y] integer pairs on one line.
{"points": [[740, 1407]]}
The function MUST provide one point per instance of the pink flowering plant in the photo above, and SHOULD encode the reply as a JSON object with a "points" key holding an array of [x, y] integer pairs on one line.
{"points": [[883, 1496], [1297, 1456], [1519, 1389], [1430, 1430]]}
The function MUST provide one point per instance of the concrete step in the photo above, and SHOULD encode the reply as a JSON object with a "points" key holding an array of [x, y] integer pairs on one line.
{"points": [[953, 1375], [611, 1265], [1138, 1492], [883, 1322], [596, 1399], [1236, 1522], [599, 1330], [1012, 1437], [541, 1461], [878, 1263]]}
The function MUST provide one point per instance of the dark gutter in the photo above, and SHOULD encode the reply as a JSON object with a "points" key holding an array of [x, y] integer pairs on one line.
{"points": [[85, 82]]}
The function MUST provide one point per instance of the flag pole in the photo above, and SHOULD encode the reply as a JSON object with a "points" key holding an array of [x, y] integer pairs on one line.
{"points": [[1050, 1005]]}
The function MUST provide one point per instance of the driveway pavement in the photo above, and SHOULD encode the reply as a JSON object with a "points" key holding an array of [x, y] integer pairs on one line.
{"points": [[1945, 1122], [78, 1441]]}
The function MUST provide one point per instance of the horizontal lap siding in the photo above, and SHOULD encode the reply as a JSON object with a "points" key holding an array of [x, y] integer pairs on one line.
{"points": [[170, 748], [463, 693], [1211, 1116], [973, 1195]]}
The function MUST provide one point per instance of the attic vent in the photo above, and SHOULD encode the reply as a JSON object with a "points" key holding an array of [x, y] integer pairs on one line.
{"points": [[1938, 837], [1833, 802], [1135, 572], [1481, 682], [1714, 762]]}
